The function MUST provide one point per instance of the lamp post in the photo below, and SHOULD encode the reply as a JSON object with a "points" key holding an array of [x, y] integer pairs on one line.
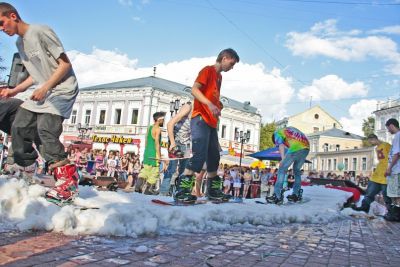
{"points": [[174, 106], [83, 131], [242, 138]]}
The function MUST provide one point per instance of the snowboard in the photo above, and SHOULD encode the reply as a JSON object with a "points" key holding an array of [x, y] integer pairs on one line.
{"points": [[165, 159], [286, 203], [174, 203], [70, 203]]}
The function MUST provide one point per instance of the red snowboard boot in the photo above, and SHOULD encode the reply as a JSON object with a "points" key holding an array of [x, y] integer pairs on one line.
{"points": [[66, 187]]}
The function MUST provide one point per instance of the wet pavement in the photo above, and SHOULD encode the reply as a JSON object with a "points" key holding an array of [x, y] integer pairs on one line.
{"points": [[349, 242]]}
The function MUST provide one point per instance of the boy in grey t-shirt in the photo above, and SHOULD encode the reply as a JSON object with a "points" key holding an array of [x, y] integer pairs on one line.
{"points": [[56, 89]]}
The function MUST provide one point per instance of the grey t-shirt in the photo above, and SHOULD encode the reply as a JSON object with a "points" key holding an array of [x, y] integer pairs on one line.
{"points": [[39, 49]]}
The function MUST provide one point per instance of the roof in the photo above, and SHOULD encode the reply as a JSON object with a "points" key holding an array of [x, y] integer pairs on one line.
{"points": [[168, 86], [335, 132]]}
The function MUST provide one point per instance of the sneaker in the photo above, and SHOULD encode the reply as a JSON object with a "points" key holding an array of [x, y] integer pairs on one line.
{"points": [[393, 214], [184, 188], [214, 191], [362, 208], [175, 152], [274, 199]]}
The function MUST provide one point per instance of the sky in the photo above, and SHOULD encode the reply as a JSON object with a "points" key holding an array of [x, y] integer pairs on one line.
{"points": [[343, 55]]}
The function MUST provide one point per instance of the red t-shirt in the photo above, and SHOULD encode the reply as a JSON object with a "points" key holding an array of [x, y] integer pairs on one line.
{"points": [[211, 85]]}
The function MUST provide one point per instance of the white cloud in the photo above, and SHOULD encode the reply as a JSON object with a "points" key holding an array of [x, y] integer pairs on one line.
{"points": [[332, 87], [395, 29], [358, 112], [267, 90], [324, 39]]}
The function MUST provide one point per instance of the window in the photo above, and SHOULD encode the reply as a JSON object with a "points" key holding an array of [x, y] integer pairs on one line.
{"points": [[314, 146], [329, 164], [354, 164], [236, 136], [223, 131], [383, 121], [88, 112], [248, 135], [135, 116], [322, 164], [315, 129], [334, 164], [364, 164], [102, 118], [316, 116], [73, 117], [326, 147], [346, 164], [117, 116], [337, 147]]}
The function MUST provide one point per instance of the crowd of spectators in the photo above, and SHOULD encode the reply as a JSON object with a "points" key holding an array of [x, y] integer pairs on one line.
{"points": [[238, 181]]}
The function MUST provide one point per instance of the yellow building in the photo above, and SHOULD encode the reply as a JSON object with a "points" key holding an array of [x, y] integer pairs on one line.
{"points": [[312, 120]]}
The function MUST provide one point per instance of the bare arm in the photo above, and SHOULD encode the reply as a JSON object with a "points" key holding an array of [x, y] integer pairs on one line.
{"points": [[196, 92], [64, 66], [394, 161], [157, 133], [184, 111], [10, 92]]}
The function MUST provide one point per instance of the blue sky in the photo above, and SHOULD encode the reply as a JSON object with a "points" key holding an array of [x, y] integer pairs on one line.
{"points": [[343, 54]]}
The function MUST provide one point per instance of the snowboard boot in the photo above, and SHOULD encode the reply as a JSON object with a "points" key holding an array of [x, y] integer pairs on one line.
{"points": [[274, 199], [393, 214], [214, 191], [66, 187], [294, 197], [184, 188]]}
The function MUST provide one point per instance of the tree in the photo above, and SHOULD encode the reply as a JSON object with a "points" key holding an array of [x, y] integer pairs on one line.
{"points": [[368, 127], [267, 131], [2, 68]]}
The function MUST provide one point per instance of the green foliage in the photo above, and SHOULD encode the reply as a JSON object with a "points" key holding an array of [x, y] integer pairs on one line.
{"points": [[368, 127], [266, 135]]}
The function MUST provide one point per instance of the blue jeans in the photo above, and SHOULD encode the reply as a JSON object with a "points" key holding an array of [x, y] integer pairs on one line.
{"points": [[372, 190], [165, 185], [205, 146], [297, 158]]}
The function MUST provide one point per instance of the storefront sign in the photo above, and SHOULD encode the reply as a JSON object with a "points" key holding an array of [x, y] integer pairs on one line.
{"points": [[114, 139]]}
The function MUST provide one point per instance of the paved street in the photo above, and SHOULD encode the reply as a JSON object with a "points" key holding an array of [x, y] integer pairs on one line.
{"points": [[353, 242]]}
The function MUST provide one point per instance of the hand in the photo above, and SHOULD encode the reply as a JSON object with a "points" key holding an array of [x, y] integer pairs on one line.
{"points": [[388, 172], [7, 93], [171, 146], [214, 110], [39, 94]]}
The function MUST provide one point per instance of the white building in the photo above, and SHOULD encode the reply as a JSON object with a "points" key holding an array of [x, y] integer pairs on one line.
{"points": [[119, 114], [386, 110]]}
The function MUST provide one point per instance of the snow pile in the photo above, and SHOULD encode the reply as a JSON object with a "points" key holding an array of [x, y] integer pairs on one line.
{"points": [[132, 214]]}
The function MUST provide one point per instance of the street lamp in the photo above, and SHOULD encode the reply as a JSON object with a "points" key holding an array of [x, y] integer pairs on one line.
{"points": [[174, 106], [83, 131], [242, 138]]}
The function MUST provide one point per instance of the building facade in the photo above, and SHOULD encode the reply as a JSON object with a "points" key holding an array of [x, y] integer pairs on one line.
{"points": [[384, 111], [334, 146], [312, 120], [116, 116], [360, 161]]}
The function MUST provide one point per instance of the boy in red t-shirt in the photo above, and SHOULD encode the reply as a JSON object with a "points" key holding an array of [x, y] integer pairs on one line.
{"points": [[205, 146]]}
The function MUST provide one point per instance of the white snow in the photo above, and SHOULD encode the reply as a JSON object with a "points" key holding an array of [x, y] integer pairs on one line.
{"points": [[131, 214]]}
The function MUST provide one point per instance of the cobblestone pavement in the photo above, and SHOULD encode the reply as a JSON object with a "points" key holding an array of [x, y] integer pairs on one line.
{"points": [[352, 242]]}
